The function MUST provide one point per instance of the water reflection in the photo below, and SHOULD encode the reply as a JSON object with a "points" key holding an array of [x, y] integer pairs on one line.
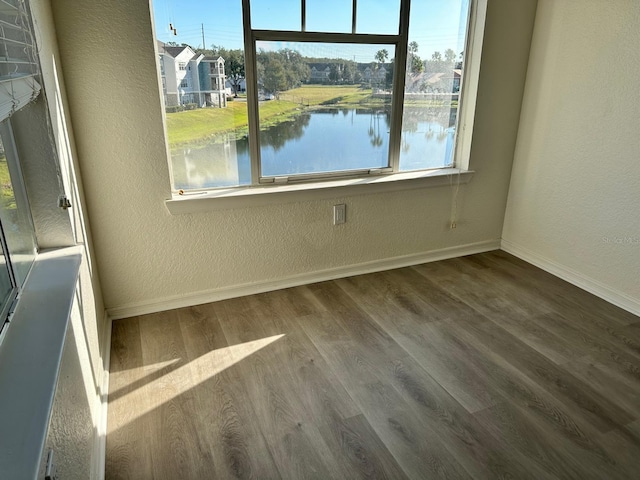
{"points": [[319, 141], [278, 135]]}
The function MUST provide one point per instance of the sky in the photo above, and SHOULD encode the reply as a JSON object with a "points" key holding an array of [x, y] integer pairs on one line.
{"points": [[435, 24]]}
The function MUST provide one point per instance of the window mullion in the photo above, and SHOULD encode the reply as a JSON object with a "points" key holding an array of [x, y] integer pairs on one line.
{"points": [[397, 99], [252, 92], [354, 16], [325, 37], [303, 12]]}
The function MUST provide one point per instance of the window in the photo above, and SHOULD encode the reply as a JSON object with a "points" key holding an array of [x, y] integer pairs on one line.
{"points": [[184, 83], [182, 66], [18, 87], [372, 89]]}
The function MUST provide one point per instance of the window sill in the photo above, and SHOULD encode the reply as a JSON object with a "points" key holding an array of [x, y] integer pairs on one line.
{"points": [[241, 197], [30, 356]]}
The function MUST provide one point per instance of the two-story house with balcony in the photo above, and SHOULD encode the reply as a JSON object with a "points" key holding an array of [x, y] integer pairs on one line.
{"points": [[212, 81], [190, 77]]}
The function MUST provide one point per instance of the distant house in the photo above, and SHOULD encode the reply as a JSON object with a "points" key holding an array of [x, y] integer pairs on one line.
{"points": [[320, 73], [440, 82], [378, 75], [242, 85], [190, 77], [212, 81]]}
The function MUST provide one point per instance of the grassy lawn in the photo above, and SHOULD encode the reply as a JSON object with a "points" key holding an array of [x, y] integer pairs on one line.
{"points": [[6, 197], [202, 124], [327, 94]]}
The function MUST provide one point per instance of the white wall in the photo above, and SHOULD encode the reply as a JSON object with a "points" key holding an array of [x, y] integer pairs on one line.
{"points": [[575, 191], [76, 423], [146, 255]]}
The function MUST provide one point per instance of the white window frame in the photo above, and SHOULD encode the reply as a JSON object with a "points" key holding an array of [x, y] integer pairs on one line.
{"points": [[275, 190]]}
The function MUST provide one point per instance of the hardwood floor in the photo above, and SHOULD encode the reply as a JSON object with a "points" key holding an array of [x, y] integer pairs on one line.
{"points": [[477, 367]]}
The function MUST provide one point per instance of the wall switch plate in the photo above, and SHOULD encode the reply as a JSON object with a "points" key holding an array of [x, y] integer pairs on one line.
{"points": [[339, 214]]}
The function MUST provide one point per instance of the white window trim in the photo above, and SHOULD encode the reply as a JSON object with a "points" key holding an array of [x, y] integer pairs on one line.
{"points": [[252, 196], [257, 194]]}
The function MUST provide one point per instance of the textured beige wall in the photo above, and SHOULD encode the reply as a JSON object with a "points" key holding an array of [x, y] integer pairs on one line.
{"points": [[145, 254], [76, 415], [575, 190]]}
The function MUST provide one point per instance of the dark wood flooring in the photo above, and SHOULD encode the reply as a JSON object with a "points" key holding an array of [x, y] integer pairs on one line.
{"points": [[477, 367]]}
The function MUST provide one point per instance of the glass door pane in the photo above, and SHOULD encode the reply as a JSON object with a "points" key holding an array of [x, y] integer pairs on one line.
{"points": [[15, 213]]}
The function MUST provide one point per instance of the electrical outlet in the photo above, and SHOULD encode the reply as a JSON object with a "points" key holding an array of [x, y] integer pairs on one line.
{"points": [[339, 214]]}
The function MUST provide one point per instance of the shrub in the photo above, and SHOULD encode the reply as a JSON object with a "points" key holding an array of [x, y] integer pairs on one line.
{"points": [[174, 108], [191, 106]]}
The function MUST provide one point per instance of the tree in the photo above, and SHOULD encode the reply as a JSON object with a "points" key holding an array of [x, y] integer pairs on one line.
{"points": [[437, 56], [382, 55], [450, 55], [335, 72], [274, 79], [296, 67], [414, 62], [234, 69], [416, 65], [349, 72]]}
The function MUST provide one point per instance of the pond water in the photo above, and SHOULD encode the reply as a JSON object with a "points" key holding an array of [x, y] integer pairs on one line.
{"points": [[320, 141]]}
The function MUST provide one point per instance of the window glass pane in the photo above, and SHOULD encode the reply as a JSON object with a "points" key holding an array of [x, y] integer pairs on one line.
{"points": [[15, 213], [323, 107], [433, 79], [378, 16], [205, 96], [6, 286], [338, 20], [6, 292], [276, 15]]}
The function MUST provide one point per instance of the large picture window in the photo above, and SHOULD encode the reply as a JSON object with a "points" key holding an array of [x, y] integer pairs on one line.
{"points": [[301, 90]]}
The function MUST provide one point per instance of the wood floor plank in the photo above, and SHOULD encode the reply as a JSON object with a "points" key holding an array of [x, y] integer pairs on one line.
{"points": [[596, 322], [223, 417], [362, 453], [552, 288], [280, 379], [584, 400], [592, 344], [127, 455], [174, 442], [558, 420], [412, 442], [623, 391], [294, 357], [540, 444], [504, 303], [422, 340], [482, 455]]}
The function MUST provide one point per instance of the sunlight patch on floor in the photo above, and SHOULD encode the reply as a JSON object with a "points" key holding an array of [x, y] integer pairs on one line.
{"points": [[161, 390]]}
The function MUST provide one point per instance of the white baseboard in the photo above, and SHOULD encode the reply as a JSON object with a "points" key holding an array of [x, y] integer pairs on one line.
{"points": [[169, 303], [591, 285], [100, 446]]}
